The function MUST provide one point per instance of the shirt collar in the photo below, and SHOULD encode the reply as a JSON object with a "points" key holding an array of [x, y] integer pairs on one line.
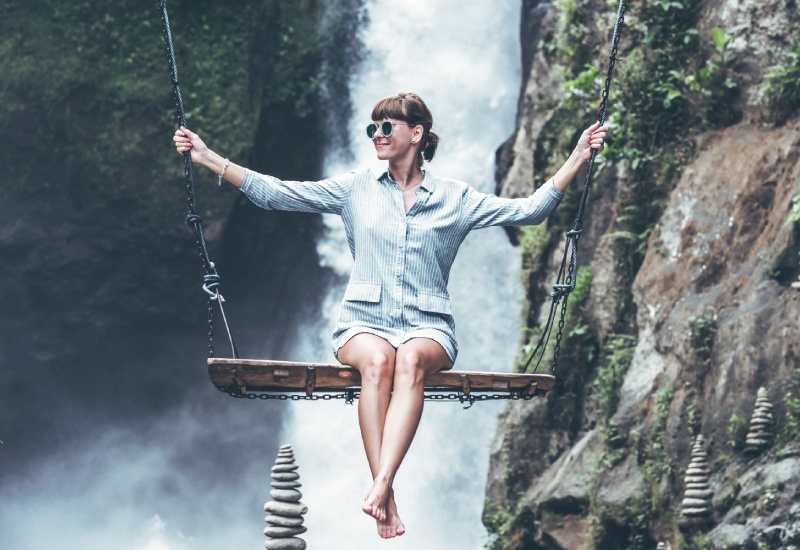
{"points": [[427, 181]]}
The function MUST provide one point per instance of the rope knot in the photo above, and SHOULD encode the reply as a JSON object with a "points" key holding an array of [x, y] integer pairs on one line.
{"points": [[211, 283], [194, 219]]}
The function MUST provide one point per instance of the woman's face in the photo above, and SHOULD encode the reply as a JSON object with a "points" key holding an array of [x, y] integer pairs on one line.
{"points": [[403, 139]]}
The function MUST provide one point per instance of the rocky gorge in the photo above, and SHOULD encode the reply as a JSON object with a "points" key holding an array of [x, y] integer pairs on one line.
{"points": [[684, 304]]}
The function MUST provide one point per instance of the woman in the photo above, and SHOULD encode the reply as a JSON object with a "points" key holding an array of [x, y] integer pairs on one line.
{"points": [[403, 228]]}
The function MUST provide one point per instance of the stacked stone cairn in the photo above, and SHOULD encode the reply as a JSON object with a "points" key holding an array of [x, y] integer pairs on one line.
{"points": [[696, 505], [760, 435], [285, 517]]}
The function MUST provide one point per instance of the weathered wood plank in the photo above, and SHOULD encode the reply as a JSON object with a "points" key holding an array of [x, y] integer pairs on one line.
{"points": [[254, 375]]}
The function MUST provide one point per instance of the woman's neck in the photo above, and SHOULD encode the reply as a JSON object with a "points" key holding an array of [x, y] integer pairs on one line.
{"points": [[405, 173]]}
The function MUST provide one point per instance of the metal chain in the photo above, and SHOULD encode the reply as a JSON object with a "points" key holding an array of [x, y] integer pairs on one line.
{"points": [[350, 396], [570, 274], [211, 278]]}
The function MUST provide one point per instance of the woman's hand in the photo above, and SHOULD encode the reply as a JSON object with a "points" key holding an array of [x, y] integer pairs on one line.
{"points": [[186, 140], [593, 137]]}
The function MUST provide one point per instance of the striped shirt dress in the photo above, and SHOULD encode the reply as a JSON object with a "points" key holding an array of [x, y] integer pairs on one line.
{"points": [[402, 260]]}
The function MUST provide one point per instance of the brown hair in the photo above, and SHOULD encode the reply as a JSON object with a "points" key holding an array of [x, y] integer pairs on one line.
{"points": [[411, 109]]}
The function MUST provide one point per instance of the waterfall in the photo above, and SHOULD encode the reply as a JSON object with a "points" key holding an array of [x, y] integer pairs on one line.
{"points": [[467, 69]]}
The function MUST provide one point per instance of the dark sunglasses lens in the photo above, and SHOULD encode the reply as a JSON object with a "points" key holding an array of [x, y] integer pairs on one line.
{"points": [[371, 129], [386, 128]]}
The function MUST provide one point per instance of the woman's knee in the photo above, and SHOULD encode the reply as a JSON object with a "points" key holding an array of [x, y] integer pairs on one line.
{"points": [[377, 368], [410, 368]]}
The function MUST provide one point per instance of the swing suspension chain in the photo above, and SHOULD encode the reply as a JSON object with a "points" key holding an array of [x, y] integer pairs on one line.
{"points": [[211, 279], [567, 275], [349, 396]]}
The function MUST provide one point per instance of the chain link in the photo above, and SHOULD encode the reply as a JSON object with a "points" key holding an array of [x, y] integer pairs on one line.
{"points": [[350, 396]]}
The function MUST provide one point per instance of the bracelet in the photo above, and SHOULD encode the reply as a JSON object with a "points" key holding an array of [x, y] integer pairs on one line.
{"points": [[222, 174]]}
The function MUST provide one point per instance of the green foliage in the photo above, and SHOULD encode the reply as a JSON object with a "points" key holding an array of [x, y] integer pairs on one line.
{"points": [[651, 454], [570, 47], [498, 522], [616, 357], [790, 430], [702, 331], [781, 87], [694, 541], [794, 215], [737, 430], [694, 417]]}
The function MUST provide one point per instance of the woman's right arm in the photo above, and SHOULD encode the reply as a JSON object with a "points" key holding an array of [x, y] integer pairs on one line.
{"points": [[327, 196], [186, 140]]}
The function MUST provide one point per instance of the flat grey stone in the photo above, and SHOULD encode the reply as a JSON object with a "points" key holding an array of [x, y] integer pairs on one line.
{"points": [[694, 512], [284, 532], [289, 509], [699, 493], [284, 468], [694, 503], [284, 461], [695, 479], [285, 544], [285, 476], [283, 521], [286, 484], [286, 495]]}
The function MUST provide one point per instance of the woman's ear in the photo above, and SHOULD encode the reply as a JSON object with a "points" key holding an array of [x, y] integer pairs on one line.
{"points": [[419, 131]]}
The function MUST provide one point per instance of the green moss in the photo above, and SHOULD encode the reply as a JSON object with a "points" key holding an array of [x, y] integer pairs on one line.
{"points": [[781, 88], [737, 430], [702, 331], [695, 541], [615, 359]]}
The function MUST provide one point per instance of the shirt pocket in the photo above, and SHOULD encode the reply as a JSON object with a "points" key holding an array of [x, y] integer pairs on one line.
{"points": [[363, 292], [434, 303]]}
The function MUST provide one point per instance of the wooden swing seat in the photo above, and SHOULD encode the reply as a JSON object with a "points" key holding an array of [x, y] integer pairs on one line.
{"points": [[252, 375]]}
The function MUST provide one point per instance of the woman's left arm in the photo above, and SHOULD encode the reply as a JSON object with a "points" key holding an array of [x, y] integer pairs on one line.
{"points": [[593, 137]]}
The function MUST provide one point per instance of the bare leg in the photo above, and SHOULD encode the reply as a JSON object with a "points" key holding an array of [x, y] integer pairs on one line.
{"points": [[374, 358], [415, 359]]}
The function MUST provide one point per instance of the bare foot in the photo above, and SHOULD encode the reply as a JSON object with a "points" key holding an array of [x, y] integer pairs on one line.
{"points": [[393, 525], [375, 503]]}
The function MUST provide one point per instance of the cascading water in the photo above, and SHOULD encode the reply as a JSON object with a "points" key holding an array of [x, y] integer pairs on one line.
{"points": [[465, 64]]}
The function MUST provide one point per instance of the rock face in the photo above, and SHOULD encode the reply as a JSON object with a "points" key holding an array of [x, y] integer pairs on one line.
{"points": [[711, 307], [760, 435], [285, 519]]}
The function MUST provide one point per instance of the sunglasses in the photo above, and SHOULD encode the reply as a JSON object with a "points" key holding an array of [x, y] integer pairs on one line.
{"points": [[387, 126]]}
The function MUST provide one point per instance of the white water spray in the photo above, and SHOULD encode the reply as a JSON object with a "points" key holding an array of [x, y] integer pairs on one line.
{"points": [[465, 64]]}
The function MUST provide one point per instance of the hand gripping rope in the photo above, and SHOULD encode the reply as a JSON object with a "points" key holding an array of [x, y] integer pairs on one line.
{"points": [[211, 279], [566, 278]]}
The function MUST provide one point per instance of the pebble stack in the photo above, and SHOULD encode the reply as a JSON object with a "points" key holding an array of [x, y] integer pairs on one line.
{"points": [[696, 505], [285, 517], [760, 435]]}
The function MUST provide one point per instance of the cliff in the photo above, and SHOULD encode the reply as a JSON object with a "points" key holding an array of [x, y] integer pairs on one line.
{"points": [[684, 304]]}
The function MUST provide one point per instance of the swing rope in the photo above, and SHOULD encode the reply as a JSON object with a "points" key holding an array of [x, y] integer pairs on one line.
{"points": [[211, 279], [567, 275]]}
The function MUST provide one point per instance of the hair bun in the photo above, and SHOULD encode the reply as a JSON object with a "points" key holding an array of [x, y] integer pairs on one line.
{"points": [[430, 146]]}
